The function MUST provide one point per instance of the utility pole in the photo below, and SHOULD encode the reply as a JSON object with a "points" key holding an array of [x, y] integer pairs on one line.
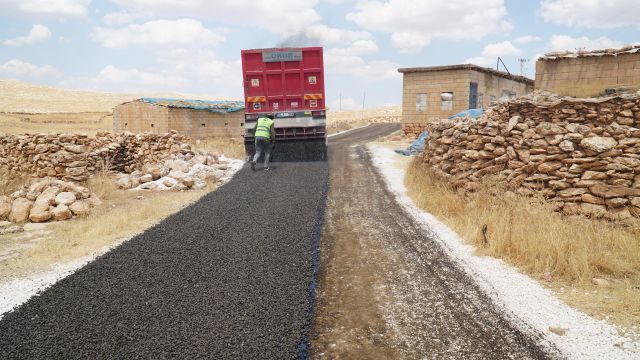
{"points": [[364, 95]]}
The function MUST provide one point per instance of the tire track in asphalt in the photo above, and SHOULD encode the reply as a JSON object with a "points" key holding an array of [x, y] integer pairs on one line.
{"points": [[230, 276]]}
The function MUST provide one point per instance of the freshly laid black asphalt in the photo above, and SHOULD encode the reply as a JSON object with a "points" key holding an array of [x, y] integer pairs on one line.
{"points": [[228, 277]]}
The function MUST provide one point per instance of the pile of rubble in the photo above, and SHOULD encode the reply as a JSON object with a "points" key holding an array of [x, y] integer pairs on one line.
{"points": [[75, 157], [581, 154], [179, 172], [45, 200]]}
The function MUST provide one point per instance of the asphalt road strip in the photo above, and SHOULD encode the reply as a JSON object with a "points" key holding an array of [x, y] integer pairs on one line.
{"points": [[528, 305], [16, 291], [230, 276]]}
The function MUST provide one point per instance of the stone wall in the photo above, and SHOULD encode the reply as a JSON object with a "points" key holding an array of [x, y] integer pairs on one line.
{"points": [[413, 130], [143, 117], [74, 157], [581, 154]]}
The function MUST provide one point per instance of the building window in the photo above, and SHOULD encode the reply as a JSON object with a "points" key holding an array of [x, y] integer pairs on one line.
{"points": [[492, 100], [447, 100], [421, 102], [508, 95], [481, 101]]}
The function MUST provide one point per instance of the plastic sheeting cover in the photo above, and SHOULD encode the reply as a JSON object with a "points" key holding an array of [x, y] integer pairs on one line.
{"points": [[472, 113], [222, 107], [416, 147]]}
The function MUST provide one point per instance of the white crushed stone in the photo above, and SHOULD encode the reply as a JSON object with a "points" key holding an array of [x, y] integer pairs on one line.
{"points": [[233, 165], [15, 292], [529, 305]]}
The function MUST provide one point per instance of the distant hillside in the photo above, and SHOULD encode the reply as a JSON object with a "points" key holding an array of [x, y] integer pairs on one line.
{"points": [[17, 96]]}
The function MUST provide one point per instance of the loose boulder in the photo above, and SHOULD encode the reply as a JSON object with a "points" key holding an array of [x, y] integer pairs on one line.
{"points": [[20, 210]]}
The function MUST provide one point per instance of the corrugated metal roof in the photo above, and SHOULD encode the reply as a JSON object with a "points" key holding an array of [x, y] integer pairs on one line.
{"points": [[518, 78], [209, 105]]}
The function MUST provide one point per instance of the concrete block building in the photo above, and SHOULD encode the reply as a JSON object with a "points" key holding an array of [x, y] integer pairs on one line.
{"points": [[588, 74], [193, 118], [434, 93]]}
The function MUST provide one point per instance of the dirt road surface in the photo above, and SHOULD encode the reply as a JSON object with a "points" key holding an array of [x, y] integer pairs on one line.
{"points": [[387, 290]]}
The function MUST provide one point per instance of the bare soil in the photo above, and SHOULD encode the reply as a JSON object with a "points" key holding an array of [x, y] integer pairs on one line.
{"points": [[387, 289]]}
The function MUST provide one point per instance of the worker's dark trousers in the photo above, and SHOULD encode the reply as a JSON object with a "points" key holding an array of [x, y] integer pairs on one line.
{"points": [[263, 145]]}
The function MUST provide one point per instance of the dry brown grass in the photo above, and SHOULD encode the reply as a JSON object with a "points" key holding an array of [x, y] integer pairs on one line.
{"points": [[85, 122], [529, 235], [229, 147], [10, 182]]}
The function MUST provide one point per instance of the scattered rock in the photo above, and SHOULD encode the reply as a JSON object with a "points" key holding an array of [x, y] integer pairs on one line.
{"points": [[39, 212], [5, 207], [61, 212], [65, 198], [600, 282], [558, 330], [146, 178], [20, 210], [80, 207]]}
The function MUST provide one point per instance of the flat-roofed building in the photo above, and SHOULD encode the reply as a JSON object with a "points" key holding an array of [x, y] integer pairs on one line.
{"points": [[434, 93]]}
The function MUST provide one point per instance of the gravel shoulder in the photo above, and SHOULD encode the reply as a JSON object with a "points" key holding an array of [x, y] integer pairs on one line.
{"points": [[226, 277], [387, 288]]}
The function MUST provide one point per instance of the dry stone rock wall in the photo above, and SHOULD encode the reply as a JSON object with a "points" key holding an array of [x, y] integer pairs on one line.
{"points": [[581, 154], [74, 157]]}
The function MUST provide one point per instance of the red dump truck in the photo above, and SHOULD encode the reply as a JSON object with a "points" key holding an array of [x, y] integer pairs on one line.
{"points": [[289, 84]]}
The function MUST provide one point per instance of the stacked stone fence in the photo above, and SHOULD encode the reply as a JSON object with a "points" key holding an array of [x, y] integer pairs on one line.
{"points": [[583, 155], [75, 157], [413, 130]]}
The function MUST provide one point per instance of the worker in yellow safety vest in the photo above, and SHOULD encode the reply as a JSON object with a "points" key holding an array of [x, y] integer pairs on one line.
{"points": [[265, 135]]}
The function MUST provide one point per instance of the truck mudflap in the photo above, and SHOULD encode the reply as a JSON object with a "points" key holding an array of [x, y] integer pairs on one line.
{"points": [[293, 150]]}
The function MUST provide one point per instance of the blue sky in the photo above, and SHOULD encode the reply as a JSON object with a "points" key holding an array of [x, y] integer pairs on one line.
{"points": [[193, 46]]}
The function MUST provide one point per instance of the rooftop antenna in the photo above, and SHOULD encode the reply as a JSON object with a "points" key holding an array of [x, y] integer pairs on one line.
{"points": [[522, 62]]}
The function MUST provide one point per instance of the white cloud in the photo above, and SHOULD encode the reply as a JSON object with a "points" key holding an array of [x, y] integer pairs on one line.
{"points": [[38, 33], [283, 17], [112, 74], [565, 42], [176, 70], [527, 39], [356, 66], [358, 47], [159, 33], [413, 24], [491, 52], [46, 7], [19, 68], [591, 14], [120, 18], [330, 36]]}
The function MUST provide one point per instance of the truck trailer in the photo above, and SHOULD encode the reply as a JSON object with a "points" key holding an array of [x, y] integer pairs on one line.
{"points": [[287, 83]]}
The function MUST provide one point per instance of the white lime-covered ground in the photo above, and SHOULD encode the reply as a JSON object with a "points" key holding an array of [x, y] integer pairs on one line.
{"points": [[525, 302]]}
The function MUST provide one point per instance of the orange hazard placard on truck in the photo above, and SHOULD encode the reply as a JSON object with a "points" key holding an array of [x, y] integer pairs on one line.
{"points": [[253, 99]]}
